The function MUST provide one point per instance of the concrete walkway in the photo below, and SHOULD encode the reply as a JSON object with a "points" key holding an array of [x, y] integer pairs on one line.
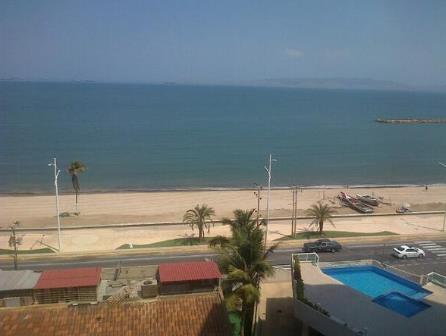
{"points": [[109, 239], [275, 309]]}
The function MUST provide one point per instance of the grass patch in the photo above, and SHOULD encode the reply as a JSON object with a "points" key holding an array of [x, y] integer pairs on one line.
{"points": [[336, 234], [171, 243], [36, 251], [235, 321]]}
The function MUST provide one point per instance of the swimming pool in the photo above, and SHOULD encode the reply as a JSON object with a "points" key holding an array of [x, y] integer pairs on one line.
{"points": [[401, 304], [383, 287]]}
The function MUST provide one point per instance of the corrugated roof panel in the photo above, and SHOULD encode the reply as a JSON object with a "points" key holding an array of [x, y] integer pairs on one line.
{"points": [[188, 271], [18, 280], [66, 278]]}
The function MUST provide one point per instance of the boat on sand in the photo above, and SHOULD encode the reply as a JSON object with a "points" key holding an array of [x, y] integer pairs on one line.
{"points": [[354, 203], [368, 199]]}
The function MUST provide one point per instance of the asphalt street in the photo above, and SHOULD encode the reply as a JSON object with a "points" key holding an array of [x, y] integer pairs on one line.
{"points": [[435, 260]]}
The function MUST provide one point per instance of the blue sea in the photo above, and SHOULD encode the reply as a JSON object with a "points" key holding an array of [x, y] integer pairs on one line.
{"points": [[144, 137]]}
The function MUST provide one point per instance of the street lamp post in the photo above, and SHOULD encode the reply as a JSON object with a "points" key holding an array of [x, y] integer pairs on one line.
{"points": [[444, 218], [56, 175], [268, 171]]}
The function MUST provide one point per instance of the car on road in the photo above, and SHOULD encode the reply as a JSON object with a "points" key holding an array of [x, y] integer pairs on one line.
{"points": [[403, 210], [322, 245], [404, 252]]}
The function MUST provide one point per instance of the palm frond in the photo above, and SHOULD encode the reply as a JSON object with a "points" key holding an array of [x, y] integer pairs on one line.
{"points": [[249, 293], [219, 241], [270, 250]]}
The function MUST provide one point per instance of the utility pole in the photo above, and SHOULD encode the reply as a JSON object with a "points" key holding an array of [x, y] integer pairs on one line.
{"points": [[14, 241], [268, 171], [259, 197], [56, 175], [294, 212]]}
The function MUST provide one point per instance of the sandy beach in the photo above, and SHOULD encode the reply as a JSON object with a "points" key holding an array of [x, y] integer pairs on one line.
{"points": [[154, 207], [169, 206]]}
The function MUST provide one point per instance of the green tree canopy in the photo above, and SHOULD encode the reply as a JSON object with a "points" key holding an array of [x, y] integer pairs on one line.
{"points": [[243, 257]]}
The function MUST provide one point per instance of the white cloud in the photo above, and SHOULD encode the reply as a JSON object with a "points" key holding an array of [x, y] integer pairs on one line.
{"points": [[294, 53]]}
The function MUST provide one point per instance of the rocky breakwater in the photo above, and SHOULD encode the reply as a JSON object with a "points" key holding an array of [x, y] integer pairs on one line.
{"points": [[411, 121]]}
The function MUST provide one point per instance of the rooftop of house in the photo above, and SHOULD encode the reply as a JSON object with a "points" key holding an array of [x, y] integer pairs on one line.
{"points": [[69, 278], [188, 271], [18, 280], [192, 315]]}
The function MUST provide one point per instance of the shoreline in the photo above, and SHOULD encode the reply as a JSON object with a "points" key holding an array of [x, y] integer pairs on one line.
{"points": [[220, 189]]}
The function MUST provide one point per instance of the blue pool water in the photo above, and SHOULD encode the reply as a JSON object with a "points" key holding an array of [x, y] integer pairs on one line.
{"points": [[373, 281], [386, 289], [401, 304]]}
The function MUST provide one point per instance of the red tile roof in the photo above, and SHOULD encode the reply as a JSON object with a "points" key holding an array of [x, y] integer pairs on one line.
{"points": [[191, 315], [188, 271], [66, 278]]}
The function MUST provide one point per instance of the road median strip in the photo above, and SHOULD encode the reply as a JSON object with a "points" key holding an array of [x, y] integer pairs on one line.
{"points": [[201, 249]]}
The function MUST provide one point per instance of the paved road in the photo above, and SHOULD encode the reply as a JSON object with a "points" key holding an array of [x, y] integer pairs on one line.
{"points": [[435, 260]]}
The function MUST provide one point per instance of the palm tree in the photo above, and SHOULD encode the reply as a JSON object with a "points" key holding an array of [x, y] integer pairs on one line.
{"points": [[14, 241], [320, 213], [243, 257], [200, 216], [76, 168], [242, 219]]}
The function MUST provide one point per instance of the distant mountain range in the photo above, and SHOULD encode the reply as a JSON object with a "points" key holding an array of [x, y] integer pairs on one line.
{"points": [[343, 83], [304, 83]]}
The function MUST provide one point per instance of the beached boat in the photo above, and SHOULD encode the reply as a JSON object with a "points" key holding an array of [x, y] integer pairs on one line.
{"points": [[368, 199], [354, 203]]}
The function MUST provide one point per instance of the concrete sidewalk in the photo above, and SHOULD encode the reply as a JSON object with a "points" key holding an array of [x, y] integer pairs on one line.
{"points": [[275, 309]]}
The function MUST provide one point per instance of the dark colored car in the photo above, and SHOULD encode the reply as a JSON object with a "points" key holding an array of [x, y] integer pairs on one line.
{"points": [[322, 245]]}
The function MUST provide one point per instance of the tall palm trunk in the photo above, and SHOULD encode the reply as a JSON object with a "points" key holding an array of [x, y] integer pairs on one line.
{"points": [[321, 226], [76, 187], [242, 322]]}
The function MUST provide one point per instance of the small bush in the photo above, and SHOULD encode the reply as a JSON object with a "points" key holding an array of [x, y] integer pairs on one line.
{"points": [[297, 275]]}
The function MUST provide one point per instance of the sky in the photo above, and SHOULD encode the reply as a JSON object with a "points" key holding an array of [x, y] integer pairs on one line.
{"points": [[223, 41]]}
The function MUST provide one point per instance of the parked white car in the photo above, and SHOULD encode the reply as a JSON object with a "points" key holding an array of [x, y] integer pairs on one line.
{"points": [[405, 252]]}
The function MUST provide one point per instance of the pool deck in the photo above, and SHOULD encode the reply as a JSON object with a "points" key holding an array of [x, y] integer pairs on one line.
{"points": [[359, 312]]}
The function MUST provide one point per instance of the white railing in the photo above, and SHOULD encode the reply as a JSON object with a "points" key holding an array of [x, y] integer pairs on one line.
{"points": [[344, 263], [306, 258], [419, 279], [437, 279]]}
